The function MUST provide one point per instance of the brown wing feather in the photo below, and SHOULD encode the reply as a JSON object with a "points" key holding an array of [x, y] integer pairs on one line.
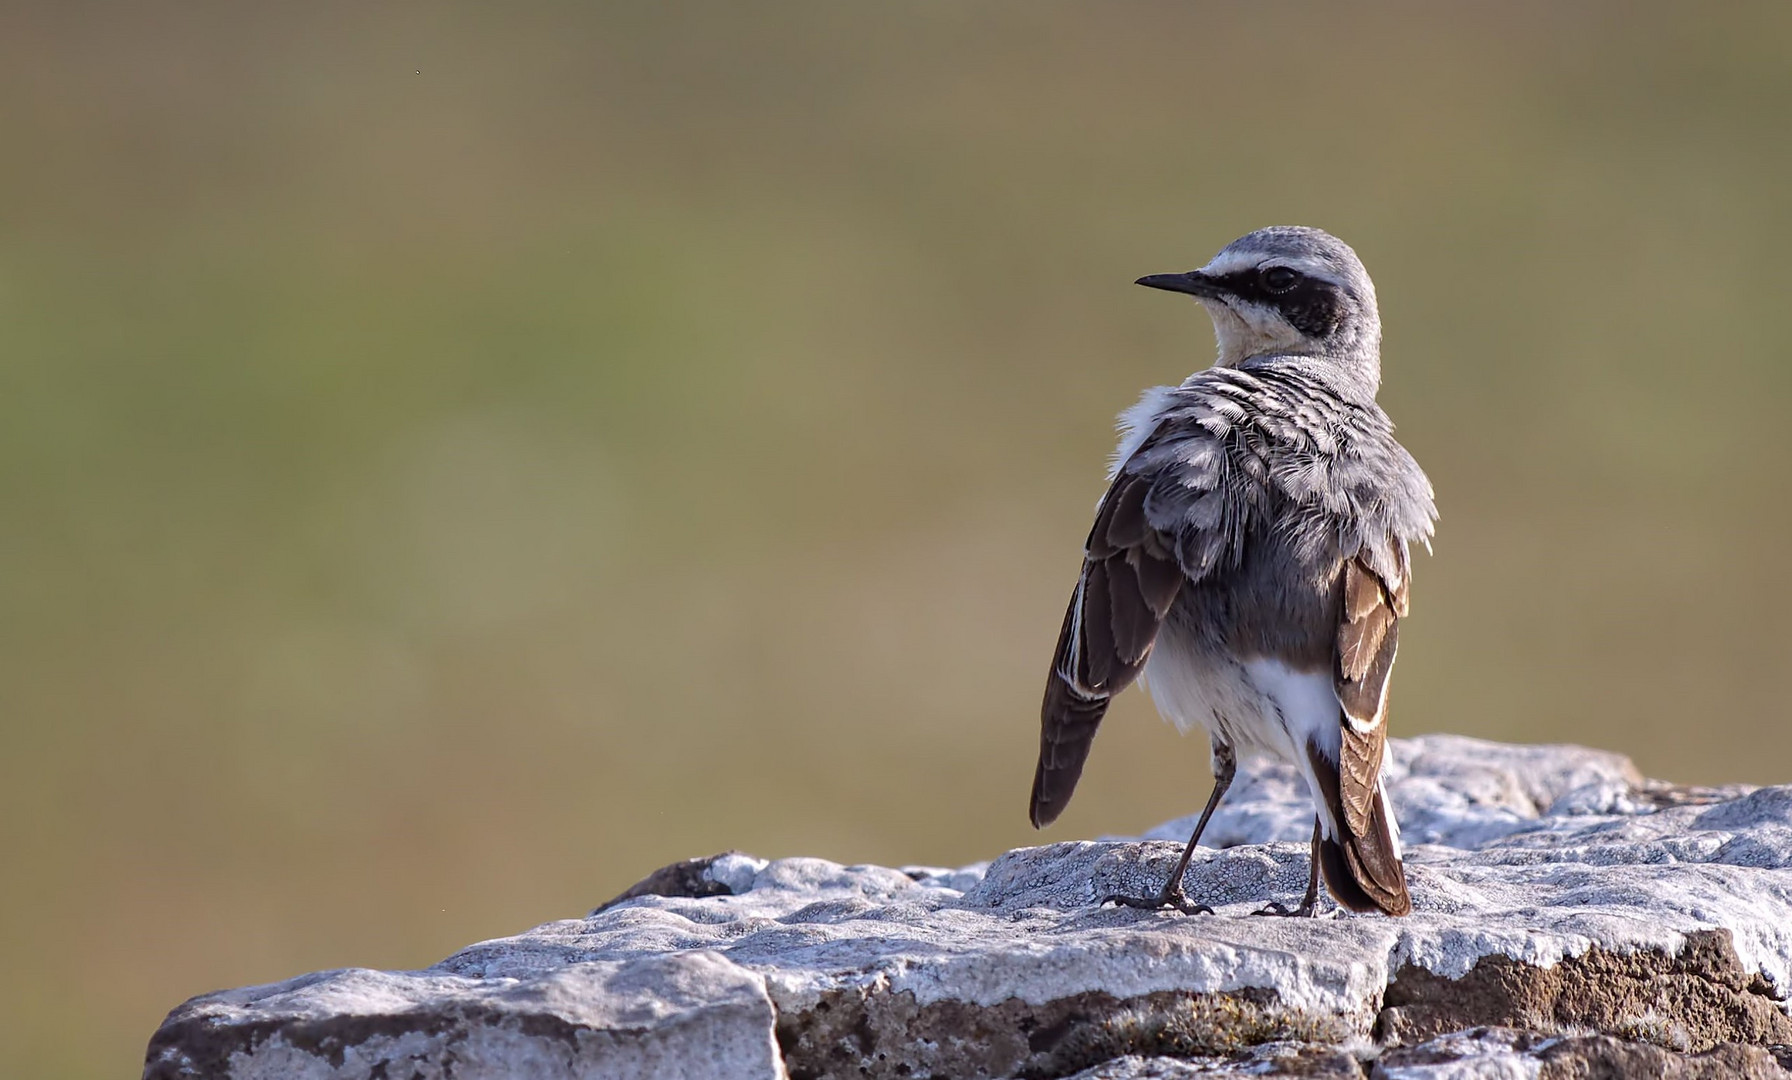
{"points": [[1368, 636], [1130, 578], [1363, 866]]}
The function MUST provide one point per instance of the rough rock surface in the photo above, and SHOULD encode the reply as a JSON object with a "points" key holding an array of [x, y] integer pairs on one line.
{"points": [[1571, 919]]}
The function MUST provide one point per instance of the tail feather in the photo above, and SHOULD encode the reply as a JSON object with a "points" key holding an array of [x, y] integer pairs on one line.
{"points": [[1362, 870]]}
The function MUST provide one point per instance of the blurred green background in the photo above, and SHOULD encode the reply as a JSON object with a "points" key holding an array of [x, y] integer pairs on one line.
{"points": [[456, 459]]}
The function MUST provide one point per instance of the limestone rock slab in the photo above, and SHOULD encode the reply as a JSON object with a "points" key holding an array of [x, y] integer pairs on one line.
{"points": [[1557, 894]]}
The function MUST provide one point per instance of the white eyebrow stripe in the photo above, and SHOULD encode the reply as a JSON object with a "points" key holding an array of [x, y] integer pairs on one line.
{"points": [[1233, 262]]}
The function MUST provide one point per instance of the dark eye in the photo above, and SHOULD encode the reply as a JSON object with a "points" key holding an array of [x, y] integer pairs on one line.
{"points": [[1279, 279]]}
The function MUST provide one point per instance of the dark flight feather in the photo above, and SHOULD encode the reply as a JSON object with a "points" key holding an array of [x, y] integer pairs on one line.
{"points": [[1129, 580]]}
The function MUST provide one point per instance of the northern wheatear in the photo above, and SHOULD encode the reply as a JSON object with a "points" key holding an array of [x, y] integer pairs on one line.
{"points": [[1250, 558]]}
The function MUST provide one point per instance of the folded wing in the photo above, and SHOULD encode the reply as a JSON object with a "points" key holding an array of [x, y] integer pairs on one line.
{"points": [[1162, 522], [1368, 851]]}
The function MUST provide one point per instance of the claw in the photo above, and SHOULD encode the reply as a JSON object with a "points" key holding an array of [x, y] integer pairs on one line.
{"points": [[1175, 900], [1305, 911]]}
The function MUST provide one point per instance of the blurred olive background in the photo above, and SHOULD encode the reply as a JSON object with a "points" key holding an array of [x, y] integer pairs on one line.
{"points": [[456, 459]]}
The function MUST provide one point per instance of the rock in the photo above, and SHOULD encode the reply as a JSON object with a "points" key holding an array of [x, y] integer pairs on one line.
{"points": [[1502, 1052], [1571, 919], [1267, 1059], [691, 1013]]}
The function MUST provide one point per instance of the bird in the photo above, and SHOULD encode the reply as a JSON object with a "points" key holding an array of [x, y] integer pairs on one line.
{"points": [[1251, 559]]}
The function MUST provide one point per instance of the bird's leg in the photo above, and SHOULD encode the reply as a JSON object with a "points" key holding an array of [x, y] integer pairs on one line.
{"points": [[1225, 766], [1311, 900]]}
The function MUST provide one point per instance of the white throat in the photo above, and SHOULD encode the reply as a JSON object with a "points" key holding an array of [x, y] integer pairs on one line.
{"points": [[1251, 331]]}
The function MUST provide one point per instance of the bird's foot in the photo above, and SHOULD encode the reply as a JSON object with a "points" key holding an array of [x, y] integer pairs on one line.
{"points": [[1304, 911], [1174, 899]]}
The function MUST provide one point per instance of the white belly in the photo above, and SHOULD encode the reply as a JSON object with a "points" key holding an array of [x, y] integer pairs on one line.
{"points": [[1257, 707], [1221, 698]]}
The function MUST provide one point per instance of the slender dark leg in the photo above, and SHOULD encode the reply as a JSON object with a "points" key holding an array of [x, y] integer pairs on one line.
{"points": [[1225, 766], [1311, 900]]}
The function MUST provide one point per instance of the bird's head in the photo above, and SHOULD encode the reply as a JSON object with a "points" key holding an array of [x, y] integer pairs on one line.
{"points": [[1287, 290]]}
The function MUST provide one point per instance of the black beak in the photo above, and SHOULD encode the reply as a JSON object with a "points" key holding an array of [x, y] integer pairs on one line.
{"points": [[1193, 283]]}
